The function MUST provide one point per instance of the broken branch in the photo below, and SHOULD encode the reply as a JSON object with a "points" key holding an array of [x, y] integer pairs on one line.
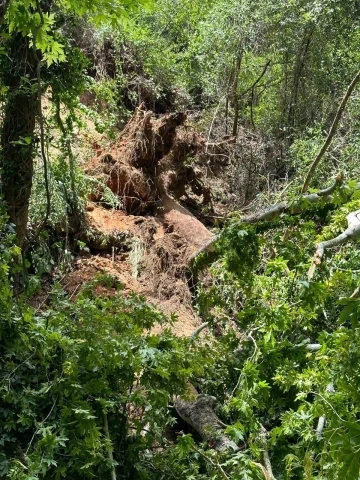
{"points": [[352, 232], [201, 416], [265, 452], [292, 208]]}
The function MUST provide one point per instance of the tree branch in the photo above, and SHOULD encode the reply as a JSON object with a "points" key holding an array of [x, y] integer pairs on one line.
{"points": [[266, 458], [352, 232], [200, 415], [292, 208], [266, 66], [199, 329]]}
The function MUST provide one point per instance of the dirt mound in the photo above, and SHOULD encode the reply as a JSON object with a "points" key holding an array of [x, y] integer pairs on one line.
{"points": [[157, 255], [147, 245], [119, 266], [107, 221]]}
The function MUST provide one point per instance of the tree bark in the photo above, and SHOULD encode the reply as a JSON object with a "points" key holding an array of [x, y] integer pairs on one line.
{"points": [[201, 416], [235, 97], [17, 133]]}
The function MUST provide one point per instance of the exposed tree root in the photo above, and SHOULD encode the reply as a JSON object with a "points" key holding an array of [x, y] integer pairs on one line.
{"points": [[147, 168]]}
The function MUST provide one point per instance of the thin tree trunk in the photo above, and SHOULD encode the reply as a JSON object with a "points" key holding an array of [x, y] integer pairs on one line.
{"points": [[109, 451], [3, 8], [235, 97], [299, 67], [228, 88]]}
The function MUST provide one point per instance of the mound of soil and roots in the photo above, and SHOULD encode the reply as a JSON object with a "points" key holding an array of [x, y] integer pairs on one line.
{"points": [[147, 244]]}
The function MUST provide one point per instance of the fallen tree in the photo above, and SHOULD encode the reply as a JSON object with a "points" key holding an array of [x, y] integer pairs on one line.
{"points": [[289, 207]]}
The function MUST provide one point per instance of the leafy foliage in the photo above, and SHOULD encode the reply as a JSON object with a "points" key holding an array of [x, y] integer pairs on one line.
{"points": [[79, 364], [93, 357]]}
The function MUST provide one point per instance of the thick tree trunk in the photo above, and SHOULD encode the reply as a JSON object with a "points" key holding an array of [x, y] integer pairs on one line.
{"points": [[201, 416], [17, 134]]}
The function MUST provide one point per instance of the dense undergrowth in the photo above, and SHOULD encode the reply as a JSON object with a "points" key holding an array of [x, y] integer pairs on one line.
{"points": [[87, 389], [68, 367]]}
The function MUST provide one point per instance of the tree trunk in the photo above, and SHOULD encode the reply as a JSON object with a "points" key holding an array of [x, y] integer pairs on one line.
{"points": [[235, 97], [201, 416], [298, 70], [3, 8], [17, 134]]}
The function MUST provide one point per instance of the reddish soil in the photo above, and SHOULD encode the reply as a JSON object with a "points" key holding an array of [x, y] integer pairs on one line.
{"points": [[106, 221], [147, 168], [161, 273]]}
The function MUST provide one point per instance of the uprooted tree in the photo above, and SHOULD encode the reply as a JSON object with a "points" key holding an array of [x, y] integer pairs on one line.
{"points": [[148, 168], [94, 381]]}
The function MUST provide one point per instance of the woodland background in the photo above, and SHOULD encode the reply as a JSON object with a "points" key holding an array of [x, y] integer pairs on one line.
{"points": [[179, 271]]}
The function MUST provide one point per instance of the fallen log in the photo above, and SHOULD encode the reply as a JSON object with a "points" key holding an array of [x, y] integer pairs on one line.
{"points": [[200, 415]]}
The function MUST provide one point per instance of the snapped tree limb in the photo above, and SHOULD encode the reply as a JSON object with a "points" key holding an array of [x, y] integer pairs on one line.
{"points": [[351, 233], [293, 208], [265, 452]]}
